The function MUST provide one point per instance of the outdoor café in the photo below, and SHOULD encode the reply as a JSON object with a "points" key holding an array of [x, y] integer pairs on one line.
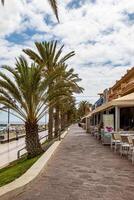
{"points": [[113, 124], [116, 115]]}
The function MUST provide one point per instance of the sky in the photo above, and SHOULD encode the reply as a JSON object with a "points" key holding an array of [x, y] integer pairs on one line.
{"points": [[101, 32]]}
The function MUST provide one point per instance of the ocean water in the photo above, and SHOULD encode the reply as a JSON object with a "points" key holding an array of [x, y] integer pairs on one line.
{"points": [[15, 120], [3, 127]]}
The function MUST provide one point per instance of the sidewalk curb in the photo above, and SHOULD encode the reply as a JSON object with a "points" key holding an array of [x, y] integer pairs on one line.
{"points": [[34, 171]]}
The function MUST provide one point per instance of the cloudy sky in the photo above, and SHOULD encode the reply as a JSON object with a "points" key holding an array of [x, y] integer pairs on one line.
{"points": [[100, 31]]}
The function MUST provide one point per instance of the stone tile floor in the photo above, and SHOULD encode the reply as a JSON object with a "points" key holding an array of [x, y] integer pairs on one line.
{"points": [[81, 169]]}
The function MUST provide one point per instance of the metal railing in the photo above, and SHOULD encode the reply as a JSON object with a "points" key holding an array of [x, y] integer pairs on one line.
{"points": [[19, 151], [46, 136]]}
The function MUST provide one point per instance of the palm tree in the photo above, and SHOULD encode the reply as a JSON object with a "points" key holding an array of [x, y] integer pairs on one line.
{"points": [[71, 113], [66, 110], [53, 4], [66, 84], [84, 108], [49, 56], [29, 90]]}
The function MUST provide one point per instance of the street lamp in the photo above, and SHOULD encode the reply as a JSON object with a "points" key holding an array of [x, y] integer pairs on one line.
{"points": [[8, 120], [46, 120], [8, 124]]}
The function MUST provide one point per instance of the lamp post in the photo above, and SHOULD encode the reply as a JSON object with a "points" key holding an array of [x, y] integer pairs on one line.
{"points": [[8, 124], [46, 120]]}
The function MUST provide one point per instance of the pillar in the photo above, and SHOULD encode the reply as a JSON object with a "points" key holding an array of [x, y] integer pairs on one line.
{"points": [[88, 124], [94, 120], [97, 119], [117, 118], [107, 112]]}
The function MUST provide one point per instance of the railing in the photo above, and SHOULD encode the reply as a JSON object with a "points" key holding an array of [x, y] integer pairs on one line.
{"points": [[129, 87], [46, 136], [19, 151]]}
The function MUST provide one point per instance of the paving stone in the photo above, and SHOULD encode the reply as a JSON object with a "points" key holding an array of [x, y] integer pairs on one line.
{"points": [[81, 169]]}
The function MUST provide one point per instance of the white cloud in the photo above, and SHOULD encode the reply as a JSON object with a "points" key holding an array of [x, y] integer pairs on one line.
{"points": [[100, 33]]}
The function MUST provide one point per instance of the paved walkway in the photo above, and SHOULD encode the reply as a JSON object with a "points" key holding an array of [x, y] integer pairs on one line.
{"points": [[81, 169], [8, 151]]}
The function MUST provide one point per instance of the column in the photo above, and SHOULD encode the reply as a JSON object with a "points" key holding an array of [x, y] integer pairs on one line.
{"points": [[101, 117], [94, 120], [97, 119], [87, 124], [107, 112], [117, 118]]}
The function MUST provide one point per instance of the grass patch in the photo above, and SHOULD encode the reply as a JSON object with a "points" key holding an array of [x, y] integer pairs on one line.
{"points": [[15, 169], [19, 167]]}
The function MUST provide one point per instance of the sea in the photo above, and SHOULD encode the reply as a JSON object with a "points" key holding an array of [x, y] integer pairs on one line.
{"points": [[14, 120]]}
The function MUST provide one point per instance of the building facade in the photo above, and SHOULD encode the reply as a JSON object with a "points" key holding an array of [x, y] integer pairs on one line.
{"points": [[117, 102], [122, 87]]}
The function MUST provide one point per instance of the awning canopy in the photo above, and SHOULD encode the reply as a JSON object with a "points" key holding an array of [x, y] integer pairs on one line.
{"points": [[125, 101], [83, 118], [89, 115]]}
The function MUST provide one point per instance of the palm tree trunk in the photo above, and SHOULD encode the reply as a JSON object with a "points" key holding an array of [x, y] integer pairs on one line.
{"points": [[63, 121], [66, 119], [33, 145], [57, 121], [50, 124]]}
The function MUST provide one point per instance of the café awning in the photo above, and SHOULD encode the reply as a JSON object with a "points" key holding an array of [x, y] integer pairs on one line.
{"points": [[125, 101]]}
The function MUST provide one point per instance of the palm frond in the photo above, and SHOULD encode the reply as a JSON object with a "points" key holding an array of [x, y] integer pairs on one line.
{"points": [[2, 1], [33, 56], [27, 87], [9, 104], [49, 54], [53, 4]]}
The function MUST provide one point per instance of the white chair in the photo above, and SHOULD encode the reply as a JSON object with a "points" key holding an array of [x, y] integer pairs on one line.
{"points": [[125, 146], [131, 149], [115, 141]]}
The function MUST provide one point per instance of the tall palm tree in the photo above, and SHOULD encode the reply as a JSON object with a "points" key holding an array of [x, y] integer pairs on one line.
{"points": [[29, 89], [84, 108], [71, 112], [66, 110], [49, 56], [66, 84], [53, 4]]}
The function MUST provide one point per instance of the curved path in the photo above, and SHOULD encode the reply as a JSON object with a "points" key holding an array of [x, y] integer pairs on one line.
{"points": [[81, 169]]}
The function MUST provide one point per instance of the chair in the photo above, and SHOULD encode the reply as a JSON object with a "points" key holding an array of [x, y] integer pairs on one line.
{"points": [[95, 131], [115, 141], [125, 145], [131, 149], [106, 138]]}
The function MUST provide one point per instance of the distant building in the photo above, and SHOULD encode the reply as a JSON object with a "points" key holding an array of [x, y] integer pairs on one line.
{"points": [[103, 99], [122, 87], [118, 102]]}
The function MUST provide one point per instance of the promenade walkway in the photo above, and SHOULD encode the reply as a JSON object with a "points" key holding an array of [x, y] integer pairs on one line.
{"points": [[81, 169]]}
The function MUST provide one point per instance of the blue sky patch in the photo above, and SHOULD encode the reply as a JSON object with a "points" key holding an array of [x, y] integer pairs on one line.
{"points": [[130, 16], [75, 4], [16, 38], [48, 20], [108, 31], [20, 38], [93, 42], [109, 62]]}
